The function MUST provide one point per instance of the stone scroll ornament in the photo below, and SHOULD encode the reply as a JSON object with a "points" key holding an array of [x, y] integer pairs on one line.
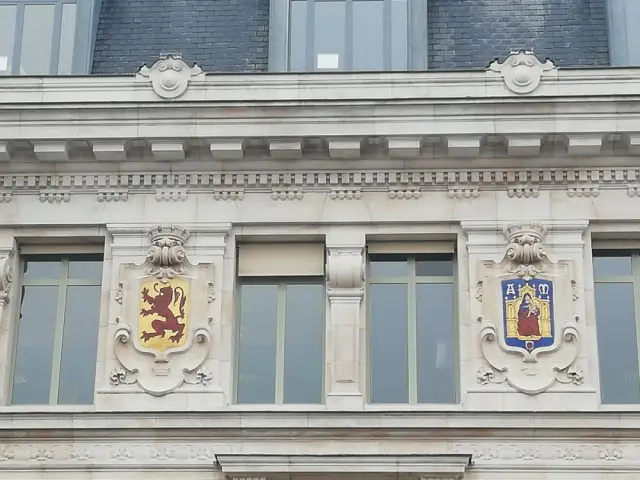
{"points": [[163, 339], [526, 336]]}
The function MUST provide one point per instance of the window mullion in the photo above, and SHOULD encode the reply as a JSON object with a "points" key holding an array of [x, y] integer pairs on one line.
{"points": [[59, 332], [17, 45], [386, 35], [412, 343], [55, 40], [348, 34], [635, 270], [311, 35], [280, 343]]}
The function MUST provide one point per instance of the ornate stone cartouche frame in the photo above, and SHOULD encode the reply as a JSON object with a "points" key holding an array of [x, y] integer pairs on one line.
{"points": [[163, 336], [529, 347]]}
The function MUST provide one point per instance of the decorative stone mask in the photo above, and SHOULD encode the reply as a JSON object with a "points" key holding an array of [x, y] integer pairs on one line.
{"points": [[170, 76], [522, 71]]}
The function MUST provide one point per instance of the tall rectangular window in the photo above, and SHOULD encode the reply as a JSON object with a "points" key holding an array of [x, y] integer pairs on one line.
{"points": [[7, 37], [624, 37], [56, 345], [281, 323], [617, 298], [39, 37], [411, 326], [330, 35]]}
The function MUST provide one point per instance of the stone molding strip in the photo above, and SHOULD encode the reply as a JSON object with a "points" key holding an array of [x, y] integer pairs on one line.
{"points": [[458, 184]]}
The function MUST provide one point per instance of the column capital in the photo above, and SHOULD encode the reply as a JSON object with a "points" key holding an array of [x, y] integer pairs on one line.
{"points": [[7, 260], [345, 271]]}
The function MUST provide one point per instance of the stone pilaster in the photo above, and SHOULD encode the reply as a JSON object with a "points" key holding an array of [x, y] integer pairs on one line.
{"points": [[345, 290], [7, 323]]}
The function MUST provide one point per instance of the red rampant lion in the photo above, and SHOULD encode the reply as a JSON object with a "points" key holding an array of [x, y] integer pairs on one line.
{"points": [[160, 306]]}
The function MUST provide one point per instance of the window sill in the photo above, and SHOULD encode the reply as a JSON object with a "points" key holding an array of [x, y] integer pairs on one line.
{"points": [[378, 407], [612, 407], [47, 409]]}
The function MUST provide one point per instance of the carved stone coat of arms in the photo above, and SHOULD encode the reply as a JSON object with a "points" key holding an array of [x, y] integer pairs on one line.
{"points": [[528, 334], [163, 334]]}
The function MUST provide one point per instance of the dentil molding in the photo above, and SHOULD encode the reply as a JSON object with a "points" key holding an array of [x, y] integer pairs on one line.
{"points": [[350, 185]]}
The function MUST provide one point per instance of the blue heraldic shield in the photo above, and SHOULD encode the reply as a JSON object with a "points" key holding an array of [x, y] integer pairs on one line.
{"points": [[527, 307]]}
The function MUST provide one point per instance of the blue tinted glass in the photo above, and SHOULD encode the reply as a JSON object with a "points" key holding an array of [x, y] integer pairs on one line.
{"points": [[257, 344], [388, 352], [79, 345], [304, 343], [34, 354], [436, 343], [617, 342], [368, 35]]}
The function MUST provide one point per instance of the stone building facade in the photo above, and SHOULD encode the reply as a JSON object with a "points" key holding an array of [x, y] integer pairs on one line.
{"points": [[324, 249], [205, 275]]}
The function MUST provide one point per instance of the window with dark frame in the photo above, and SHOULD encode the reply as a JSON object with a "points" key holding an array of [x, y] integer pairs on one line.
{"points": [[281, 341], [280, 317], [348, 35], [56, 344], [47, 37], [617, 301], [412, 328]]}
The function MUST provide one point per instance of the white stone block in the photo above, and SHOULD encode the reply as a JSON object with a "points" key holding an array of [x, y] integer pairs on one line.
{"points": [[525, 146], [285, 148], [110, 151], [51, 151], [344, 147], [404, 146], [584, 144], [464, 146], [227, 149], [168, 151], [634, 143], [6, 151]]}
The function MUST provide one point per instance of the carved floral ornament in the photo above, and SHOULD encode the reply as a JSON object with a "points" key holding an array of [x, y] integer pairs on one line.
{"points": [[163, 335], [527, 293], [522, 71], [170, 76], [525, 250], [166, 255]]}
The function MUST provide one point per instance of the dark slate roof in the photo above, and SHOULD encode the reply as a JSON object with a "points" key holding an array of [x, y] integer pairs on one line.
{"points": [[218, 35], [471, 33]]}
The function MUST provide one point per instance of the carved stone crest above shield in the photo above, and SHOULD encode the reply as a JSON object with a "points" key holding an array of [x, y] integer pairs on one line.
{"points": [[528, 335], [163, 335]]}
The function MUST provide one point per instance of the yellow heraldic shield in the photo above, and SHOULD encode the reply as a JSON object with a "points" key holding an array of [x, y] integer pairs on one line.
{"points": [[163, 320]]}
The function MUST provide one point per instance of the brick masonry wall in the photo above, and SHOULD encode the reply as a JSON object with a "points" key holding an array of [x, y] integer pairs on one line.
{"points": [[471, 33], [219, 35]]}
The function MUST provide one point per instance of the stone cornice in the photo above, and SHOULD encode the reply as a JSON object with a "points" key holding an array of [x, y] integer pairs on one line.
{"points": [[230, 88], [440, 116]]}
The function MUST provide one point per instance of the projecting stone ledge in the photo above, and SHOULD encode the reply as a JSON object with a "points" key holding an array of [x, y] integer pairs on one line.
{"points": [[442, 467]]}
